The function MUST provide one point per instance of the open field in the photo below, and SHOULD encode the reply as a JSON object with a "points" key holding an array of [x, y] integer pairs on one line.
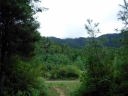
{"points": [[62, 88]]}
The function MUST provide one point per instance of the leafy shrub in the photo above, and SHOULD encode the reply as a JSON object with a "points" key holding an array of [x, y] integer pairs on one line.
{"points": [[26, 79], [65, 72]]}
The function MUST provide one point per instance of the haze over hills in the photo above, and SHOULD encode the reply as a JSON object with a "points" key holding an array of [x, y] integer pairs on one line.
{"points": [[110, 40]]}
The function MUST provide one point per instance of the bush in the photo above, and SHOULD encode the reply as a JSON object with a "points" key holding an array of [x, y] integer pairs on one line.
{"points": [[26, 80], [65, 72]]}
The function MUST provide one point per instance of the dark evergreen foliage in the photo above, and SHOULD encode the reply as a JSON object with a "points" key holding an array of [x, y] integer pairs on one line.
{"points": [[17, 36]]}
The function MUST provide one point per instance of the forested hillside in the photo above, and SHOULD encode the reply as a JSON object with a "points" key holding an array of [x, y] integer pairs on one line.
{"points": [[59, 61], [109, 40]]}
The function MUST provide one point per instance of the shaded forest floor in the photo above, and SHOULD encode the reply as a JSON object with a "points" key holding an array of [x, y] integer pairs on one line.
{"points": [[62, 88]]}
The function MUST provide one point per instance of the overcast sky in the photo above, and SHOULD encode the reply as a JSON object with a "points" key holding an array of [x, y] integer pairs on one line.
{"points": [[66, 18]]}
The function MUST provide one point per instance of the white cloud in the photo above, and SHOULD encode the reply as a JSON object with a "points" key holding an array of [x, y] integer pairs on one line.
{"points": [[66, 18]]}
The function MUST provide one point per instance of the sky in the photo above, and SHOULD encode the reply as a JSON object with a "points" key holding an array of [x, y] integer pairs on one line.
{"points": [[66, 18]]}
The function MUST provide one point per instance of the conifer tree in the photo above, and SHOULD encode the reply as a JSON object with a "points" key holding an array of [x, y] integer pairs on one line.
{"points": [[95, 80], [121, 59], [18, 32]]}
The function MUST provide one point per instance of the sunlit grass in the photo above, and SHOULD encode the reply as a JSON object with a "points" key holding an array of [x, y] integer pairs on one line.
{"points": [[66, 86]]}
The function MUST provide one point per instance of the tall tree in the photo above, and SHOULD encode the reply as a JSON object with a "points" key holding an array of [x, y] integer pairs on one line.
{"points": [[95, 80], [17, 35], [121, 60]]}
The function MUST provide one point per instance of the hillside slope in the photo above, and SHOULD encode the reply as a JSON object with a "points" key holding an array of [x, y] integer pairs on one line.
{"points": [[110, 40]]}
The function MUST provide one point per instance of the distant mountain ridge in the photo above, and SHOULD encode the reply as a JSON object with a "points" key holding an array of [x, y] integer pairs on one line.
{"points": [[111, 40]]}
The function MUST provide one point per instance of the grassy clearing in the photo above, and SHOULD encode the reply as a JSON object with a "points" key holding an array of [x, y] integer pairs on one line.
{"points": [[52, 91], [67, 87]]}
